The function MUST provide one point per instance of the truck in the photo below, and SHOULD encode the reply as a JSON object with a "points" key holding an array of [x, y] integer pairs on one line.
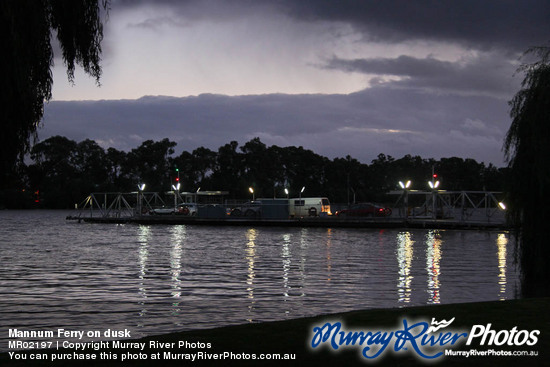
{"points": [[308, 207]]}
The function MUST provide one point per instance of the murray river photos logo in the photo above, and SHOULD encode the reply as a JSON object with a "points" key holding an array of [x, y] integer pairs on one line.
{"points": [[428, 341]]}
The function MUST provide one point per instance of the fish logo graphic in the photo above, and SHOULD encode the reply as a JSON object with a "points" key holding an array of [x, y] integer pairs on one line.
{"points": [[439, 325]]}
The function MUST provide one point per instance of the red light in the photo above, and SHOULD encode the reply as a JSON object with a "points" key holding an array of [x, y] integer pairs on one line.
{"points": [[435, 175], [177, 179]]}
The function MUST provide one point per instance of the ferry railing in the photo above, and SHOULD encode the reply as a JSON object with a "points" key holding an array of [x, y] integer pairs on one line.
{"points": [[461, 206], [119, 205]]}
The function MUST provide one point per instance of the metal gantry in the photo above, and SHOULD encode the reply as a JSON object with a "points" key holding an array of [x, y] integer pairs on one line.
{"points": [[138, 203], [461, 206], [118, 204]]}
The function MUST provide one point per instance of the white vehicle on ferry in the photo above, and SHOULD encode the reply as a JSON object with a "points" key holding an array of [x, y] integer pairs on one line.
{"points": [[309, 207]]}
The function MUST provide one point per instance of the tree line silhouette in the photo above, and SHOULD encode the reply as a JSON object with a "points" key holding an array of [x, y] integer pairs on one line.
{"points": [[62, 172]]}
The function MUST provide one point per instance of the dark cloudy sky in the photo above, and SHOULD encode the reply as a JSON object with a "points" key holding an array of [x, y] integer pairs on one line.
{"points": [[429, 78]]}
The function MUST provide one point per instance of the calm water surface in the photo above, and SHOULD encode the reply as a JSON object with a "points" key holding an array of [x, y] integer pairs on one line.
{"points": [[155, 279]]}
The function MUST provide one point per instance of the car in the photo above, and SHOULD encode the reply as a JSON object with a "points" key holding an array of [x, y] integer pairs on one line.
{"points": [[163, 211], [185, 209], [188, 209], [365, 210]]}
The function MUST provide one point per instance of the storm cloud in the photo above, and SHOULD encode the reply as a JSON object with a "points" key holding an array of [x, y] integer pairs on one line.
{"points": [[363, 124], [359, 78]]}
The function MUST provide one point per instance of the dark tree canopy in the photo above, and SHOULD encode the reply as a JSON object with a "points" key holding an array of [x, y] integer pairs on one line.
{"points": [[27, 28], [62, 172], [528, 151]]}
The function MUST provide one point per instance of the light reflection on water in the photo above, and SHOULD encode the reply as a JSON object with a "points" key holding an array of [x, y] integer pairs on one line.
{"points": [[157, 279], [404, 260], [433, 258], [502, 242]]}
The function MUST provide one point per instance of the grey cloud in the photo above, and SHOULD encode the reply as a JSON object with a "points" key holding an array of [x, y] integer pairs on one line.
{"points": [[485, 75], [363, 124], [402, 66], [508, 24], [156, 23], [192, 10]]}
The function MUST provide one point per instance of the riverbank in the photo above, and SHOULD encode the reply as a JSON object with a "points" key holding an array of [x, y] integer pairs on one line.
{"points": [[293, 337]]}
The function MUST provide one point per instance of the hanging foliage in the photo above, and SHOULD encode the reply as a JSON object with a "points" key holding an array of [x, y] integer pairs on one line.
{"points": [[527, 152], [27, 28]]}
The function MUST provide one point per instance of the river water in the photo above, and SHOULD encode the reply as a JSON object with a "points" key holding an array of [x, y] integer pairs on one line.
{"points": [[154, 279]]}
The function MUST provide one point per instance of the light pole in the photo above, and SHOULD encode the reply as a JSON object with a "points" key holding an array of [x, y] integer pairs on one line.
{"points": [[176, 188], [252, 192], [434, 185], [197, 196], [347, 191], [301, 204], [405, 186], [141, 187]]}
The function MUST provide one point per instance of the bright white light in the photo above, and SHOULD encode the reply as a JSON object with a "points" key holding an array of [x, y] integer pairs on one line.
{"points": [[433, 185], [401, 184], [408, 184], [436, 184], [286, 191], [251, 190], [502, 205], [303, 188], [141, 187], [177, 187]]}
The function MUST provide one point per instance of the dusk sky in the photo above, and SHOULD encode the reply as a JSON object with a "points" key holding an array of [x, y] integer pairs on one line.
{"points": [[359, 78]]}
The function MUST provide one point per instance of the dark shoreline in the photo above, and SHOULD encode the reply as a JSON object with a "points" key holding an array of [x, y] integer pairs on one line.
{"points": [[294, 336]]}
